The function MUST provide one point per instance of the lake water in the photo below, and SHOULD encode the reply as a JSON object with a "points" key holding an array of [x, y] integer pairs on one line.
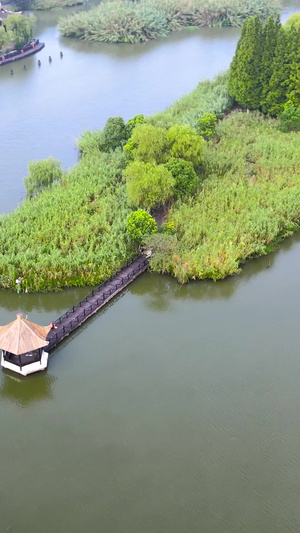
{"points": [[177, 409]]}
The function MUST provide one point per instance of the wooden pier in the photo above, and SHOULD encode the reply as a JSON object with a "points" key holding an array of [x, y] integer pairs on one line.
{"points": [[98, 298]]}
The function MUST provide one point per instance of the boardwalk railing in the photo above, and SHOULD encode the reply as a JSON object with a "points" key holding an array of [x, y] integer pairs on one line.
{"points": [[97, 299]]}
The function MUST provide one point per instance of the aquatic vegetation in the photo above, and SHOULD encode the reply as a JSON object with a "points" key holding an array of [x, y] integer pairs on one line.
{"points": [[46, 5], [71, 234], [208, 97], [249, 202], [124, 21]]}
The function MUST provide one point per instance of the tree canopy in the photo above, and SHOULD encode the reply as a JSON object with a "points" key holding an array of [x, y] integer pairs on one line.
{"points": [[148, 185], [265, 71], [139, 224]]}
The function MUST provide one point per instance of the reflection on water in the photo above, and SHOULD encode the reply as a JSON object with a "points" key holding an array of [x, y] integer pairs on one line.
{"points": [[25, 392], [55, 303]]}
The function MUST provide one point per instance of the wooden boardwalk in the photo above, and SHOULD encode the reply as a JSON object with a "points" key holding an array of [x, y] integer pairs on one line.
{"points": [[98, 298]]}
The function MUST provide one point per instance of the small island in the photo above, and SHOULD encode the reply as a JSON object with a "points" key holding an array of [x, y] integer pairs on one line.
{"points": [[206, 185], [124, 21]]}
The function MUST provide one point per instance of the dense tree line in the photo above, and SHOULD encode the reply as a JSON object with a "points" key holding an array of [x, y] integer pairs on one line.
{"points": [[265, 71]]}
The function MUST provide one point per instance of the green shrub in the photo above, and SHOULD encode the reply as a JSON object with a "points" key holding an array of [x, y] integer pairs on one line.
{"points": [[186, 179], [293, 20], [91, 141], [139, 224], [164, 248], [133, 122], [20, 29], [148, 144], [114, 133], [207, 125], [148, 185], [290, 118], [185, 143]]}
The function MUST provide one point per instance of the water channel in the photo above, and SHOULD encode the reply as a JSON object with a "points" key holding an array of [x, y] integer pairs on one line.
{"points": [[177, 409]]}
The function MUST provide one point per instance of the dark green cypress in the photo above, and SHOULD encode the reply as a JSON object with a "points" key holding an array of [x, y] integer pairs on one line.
{"points": [[293, 86], [245, 70], [270, 37], [279, 82]]}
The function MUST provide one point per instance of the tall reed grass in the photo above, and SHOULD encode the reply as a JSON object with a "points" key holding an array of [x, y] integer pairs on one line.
{"points": [[124, 21], [73, 234], [208, 97], [250, 201]]}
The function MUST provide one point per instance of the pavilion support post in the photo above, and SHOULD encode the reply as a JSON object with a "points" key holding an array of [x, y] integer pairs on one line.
{"points": [[20, 362]]}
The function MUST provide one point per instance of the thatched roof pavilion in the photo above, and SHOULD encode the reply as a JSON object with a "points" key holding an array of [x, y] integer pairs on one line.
{"points": [[22, 336], [25, 340]]}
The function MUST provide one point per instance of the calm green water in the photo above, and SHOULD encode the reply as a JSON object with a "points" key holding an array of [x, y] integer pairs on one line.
{"points": [[177, 409]]}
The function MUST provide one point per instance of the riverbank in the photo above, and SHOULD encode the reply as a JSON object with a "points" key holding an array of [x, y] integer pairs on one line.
{"points": [[136, 22]]}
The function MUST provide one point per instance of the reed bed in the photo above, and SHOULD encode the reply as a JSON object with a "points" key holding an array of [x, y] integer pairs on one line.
{"points": [[250, 201], [73, 234], [208, 97], [124, 21]]}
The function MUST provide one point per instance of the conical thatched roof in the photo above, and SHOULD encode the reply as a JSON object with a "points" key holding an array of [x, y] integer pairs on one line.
{"points": [[22, 336]]}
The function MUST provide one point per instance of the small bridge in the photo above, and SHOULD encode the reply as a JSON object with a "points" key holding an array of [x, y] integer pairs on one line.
{"points": [[98, 298]]}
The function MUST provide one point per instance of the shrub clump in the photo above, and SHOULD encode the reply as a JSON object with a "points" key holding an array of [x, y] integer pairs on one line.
{"points": [[139, 225]]}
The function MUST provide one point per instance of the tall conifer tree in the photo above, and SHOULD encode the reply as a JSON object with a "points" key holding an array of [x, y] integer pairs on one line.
{"points": [[270, 36], [245, 70], [277, 94], [293, 86]]}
